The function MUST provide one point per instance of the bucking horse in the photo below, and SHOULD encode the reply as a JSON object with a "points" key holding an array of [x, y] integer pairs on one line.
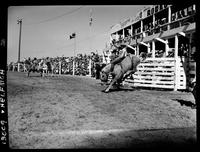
{"points": [[121, 70]]}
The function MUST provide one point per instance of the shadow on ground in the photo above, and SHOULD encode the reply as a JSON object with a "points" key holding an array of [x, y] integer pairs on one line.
{"points": [[178, 138], [125, 89], [185, 103]]}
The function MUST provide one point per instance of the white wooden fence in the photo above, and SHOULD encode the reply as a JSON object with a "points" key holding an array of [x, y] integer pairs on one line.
{"points": [[157, 73], [165, 73]]}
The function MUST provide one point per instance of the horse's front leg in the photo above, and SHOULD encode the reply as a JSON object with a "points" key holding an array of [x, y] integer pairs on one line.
{"points": [[110, 85], [114, 80]]}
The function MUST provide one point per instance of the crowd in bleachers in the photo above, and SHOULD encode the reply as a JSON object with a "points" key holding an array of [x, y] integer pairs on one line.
{"points": [[82, 62], [179, 17]]}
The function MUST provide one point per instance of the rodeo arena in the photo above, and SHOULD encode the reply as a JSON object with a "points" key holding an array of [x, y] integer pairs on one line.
{"points": [[144, 99]]}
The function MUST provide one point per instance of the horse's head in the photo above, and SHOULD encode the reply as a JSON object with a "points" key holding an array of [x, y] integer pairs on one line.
{"points": [[103, 76], [104, 73]]}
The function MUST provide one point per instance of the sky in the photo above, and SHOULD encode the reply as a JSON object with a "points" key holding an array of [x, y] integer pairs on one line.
{"points": [[46, 29]]}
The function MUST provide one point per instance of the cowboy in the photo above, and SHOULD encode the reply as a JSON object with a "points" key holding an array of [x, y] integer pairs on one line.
{"points": [[123, 52]]}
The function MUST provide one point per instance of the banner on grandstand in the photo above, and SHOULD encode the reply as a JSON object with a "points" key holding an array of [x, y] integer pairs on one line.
{"points": [[125, 22], [115, 28]]}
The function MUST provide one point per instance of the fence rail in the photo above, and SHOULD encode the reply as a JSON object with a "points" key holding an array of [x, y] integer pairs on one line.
{"points": [[157, 73]]}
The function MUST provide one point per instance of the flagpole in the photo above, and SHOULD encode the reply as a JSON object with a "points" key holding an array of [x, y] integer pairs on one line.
{"points": [[90, 42], [74, 55], [19, 21], [73, 35], [90, 61]]}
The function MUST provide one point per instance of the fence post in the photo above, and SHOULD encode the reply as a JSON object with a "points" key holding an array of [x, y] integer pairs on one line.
{"points": [[176, 71], [24, 68], [60, 70], [74, 66], [18, 67], [90, 67], [153, 49]]}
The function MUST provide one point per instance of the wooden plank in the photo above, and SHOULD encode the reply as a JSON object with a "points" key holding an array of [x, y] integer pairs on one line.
{"points": [[153, 78], [155, 82], [156, 69], [158, 78], [155, 86], [156, 64], [159, 59], [151, 81], [181, 87], [154, 73]]}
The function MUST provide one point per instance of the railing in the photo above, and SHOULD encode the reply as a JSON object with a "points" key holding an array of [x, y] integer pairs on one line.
{"points": [[162, 73], [164, 27]]}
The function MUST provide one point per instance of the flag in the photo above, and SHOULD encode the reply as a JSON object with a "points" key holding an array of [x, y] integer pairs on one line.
{"points": [[73, 35], [90, 21]]}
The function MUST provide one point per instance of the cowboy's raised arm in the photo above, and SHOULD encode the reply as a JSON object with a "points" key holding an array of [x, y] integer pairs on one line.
{"points": [[123, 52]]}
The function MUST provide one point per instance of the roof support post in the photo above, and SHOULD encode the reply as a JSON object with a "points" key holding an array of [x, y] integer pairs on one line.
{"points": [[169, 17], [153, 49], [176, 78], [166, 48], [148, 49]]}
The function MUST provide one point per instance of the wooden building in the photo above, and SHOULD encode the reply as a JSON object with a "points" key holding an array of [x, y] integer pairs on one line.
{"points": [[167, 33]]}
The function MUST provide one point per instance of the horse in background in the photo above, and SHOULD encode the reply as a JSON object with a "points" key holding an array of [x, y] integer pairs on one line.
{"points": [[33, 66], [49, 66]]}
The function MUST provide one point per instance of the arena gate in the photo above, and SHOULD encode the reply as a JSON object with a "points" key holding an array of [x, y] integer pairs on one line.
{"points": [[159, 73]]}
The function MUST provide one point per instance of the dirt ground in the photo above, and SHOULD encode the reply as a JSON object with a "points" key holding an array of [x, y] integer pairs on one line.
{"points": [[73, 112]]}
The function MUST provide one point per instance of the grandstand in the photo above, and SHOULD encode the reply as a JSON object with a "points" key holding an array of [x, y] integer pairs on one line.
{"points": [[167, 33]]}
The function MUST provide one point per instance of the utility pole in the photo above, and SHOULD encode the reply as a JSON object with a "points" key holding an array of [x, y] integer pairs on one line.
{"points": [[19, 21]]}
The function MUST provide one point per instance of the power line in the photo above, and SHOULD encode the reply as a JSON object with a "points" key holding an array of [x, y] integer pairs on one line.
{"points": [[56, 17]]}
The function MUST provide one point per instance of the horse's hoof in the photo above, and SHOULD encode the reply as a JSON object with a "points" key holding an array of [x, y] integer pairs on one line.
{"points": [[106, 91]]}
